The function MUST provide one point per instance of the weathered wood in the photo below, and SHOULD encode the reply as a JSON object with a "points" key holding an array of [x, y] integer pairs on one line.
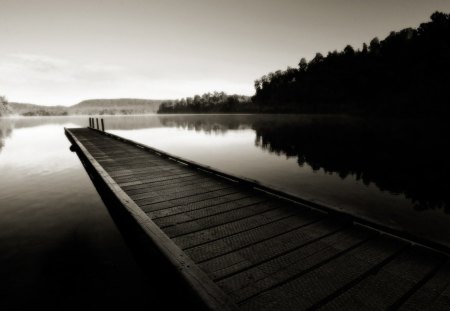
{"points": [[212, 228], [154, 204], [234, 242], [429, 293], [325, 280], [402, 274], [211, 296], [301, 259], [256, 254], [241, 240], [220, 202]]}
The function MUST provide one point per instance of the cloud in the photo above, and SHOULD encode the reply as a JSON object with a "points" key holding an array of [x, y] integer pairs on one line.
{"points": [[47, 80], [34, 68]]}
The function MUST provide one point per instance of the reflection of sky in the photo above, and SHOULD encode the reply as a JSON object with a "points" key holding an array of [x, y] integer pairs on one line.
{"points": [[33, 151], [54, 228], [40, 178]]}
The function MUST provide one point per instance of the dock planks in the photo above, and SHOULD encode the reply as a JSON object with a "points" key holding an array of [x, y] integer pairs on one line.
{"points": [[237, 247]]}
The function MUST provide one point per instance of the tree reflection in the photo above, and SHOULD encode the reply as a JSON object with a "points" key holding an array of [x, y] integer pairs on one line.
{"points": [[5, 131], [407, 157]]}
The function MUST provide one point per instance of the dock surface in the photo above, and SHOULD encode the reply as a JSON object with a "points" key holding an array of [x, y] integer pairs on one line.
{"points": [[239, 247]]}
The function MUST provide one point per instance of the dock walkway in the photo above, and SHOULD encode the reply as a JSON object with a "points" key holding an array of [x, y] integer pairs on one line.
{"points": [[237, 246]]}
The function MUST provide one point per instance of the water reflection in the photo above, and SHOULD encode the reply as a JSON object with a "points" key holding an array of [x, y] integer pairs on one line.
{"points": [[377, 169], [5, 131], [58, 246], [406, 156]]}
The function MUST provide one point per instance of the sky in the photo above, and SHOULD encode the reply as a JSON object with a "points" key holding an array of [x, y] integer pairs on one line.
{"points": [[59, 52]]}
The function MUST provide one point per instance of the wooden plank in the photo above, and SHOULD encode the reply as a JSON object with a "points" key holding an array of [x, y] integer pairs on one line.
{"points": [[113, 164], [211, 296], [232, 243], [160, 177], [209, 202], [238, 241], [176, 230], [204, 186], [282, 267], [213, 228], [167, 203], [144, 169], [165, 183], [245, 258], [188, 221], [158, 172], [442, 301], [177, 184], [402, 274], [172, 194], [426, 295], [325, 280]]}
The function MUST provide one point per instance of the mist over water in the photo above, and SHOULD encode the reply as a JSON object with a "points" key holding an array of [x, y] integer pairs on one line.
{"points": [[54, 226]]}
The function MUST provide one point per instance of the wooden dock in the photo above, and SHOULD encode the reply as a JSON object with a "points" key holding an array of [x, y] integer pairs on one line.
{"points": [[234, 244]]}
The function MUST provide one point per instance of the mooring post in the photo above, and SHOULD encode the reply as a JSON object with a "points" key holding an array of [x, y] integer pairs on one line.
{"points": [[103, 125], [97, 124]]}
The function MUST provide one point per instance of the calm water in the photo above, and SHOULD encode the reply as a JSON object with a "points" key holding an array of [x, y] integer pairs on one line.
{"points": [[52, 220]]}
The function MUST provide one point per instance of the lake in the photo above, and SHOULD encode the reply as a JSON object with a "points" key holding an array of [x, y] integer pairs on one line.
{"points": [[54, 228]]}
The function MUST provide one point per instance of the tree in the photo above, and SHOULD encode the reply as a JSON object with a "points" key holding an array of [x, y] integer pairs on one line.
{"points": [[365, 49], [303, 65], [374, 45], [406, 73], [317, 59], [349, 51]]}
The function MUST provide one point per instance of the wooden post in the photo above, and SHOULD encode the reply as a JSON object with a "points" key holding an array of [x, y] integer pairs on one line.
{"points": [[97, 124], [103, 125], [90, 122]]}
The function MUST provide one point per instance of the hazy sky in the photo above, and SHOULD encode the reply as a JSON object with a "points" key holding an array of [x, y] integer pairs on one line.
{"points": [[60, 51]]}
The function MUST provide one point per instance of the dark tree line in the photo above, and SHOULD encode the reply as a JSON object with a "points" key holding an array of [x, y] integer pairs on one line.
{"points": [[208, 103], [406, 73]]}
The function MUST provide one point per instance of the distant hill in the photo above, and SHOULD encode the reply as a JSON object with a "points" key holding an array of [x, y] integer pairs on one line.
{"points": [[37, 110], [86, 107], [116, 106]]}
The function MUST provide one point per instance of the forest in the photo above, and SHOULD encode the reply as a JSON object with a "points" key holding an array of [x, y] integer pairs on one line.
{"points": [[407, 73], [208, 103]]}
